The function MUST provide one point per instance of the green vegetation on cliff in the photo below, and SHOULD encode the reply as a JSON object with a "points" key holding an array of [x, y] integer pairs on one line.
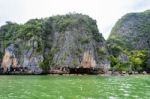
{"points": [[69, 40], [59, 41], [132, 31], [129, 42]]}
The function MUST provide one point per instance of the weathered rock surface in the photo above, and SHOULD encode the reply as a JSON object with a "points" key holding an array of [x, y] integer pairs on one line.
{"points": [[9, 59], [71, 40], [88, 61]]}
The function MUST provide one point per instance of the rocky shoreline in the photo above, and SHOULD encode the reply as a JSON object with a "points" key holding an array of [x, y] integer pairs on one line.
{"points": [[69, 71], [58, 70]]}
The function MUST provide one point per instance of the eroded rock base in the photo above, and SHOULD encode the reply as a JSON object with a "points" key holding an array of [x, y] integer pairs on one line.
{"points": [[62, 70]]}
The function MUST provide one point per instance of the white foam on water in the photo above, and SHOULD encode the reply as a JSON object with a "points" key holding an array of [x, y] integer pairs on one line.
{"points": [[147, 86], [127, 87], [10, 93], [125, 91], [27, 92], [99, 91], [81, 88], [112, 97], [45, 94], [22, 96], [61, 97], [121, 89], [48, 95], [87, 98], [135, 96], [90, 98], [126, 94]]}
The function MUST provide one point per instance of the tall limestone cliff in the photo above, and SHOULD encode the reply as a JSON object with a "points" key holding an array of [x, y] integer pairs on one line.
{"points": [[71, 40]]}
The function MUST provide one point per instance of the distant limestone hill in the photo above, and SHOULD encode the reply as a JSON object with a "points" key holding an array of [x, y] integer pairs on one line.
{"points": [[132, 31], [129, 42], [70, 41]]}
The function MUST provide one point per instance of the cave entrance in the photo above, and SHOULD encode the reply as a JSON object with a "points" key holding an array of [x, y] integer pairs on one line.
{"points": [[84, 70]]}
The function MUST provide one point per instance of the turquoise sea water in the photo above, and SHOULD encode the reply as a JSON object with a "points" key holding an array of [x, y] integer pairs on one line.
{"points": [[75, 87]]}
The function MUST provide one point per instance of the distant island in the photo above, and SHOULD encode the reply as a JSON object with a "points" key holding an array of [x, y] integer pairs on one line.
{"points": [[72, 44]]}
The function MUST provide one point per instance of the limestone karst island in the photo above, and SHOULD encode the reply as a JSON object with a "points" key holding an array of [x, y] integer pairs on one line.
{"points": [[74, 49], [60, 44], [72, 44]]}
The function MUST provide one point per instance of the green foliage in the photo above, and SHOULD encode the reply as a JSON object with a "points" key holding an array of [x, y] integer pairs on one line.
{"points": [[97, 36], [74, 62], [113, 60], [138, 59], [51, 56], [44, 65], [63, 22], [1, 55], [30, 29], [8, 33], [115, 50], [68, 22], [27, 47], [119, 65], [79, 51], [127, 37], [101, 51], [39, 48], [85, 41], [64, 56], [42, 32]]}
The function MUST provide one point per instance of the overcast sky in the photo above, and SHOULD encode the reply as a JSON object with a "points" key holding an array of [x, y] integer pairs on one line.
{"points": [[106, 12]]}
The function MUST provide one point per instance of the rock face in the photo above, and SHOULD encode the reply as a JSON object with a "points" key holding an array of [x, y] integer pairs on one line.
{"points": [[74, 48], [132, 31], [71, 40], [9, 59], [88, 61], [79, 44]]}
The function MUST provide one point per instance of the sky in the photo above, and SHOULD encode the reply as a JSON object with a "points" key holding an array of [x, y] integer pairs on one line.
{"points": [[105, 12]]}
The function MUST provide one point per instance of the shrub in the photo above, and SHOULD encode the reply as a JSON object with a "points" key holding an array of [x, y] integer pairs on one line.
{"points": [[101, 51], [85, 41], [44, 65]]}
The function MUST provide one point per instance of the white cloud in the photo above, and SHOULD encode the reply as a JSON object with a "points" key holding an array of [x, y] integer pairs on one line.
{"points": [[106, 12]]}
